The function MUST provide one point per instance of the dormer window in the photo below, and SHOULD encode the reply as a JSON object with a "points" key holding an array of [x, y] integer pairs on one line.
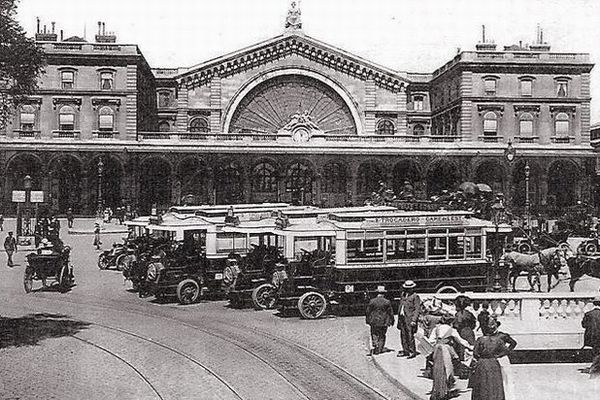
{"points": [[67, 79], [418, 103], [490, 86], [106, 80]]}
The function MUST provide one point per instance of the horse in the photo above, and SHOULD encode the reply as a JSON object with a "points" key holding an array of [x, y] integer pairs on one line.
{"points": [[547, 261], [581, 265]]}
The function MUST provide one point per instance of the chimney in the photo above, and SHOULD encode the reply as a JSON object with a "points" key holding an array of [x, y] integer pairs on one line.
{"points": [[539, 44], [38, 25], [53, 25], [102, 36], [61, 35], [45, 36], [484, 45]]}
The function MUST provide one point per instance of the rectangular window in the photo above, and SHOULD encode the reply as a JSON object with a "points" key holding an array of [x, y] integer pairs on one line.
{"points": [[106, 81], [562, 128], [405, 249], [67, 79], [490, 126], [490, 87], [561, 89], [365, 251], [456, 247], [106, 123], [437, 248], [27, 121], [473, 246], [526, 88], [66, 122], [418, 103], [164, 99], [526, 128]]}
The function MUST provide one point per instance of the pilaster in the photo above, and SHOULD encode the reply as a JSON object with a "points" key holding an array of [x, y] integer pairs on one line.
{"points": [[215, 104], [131, 101]]}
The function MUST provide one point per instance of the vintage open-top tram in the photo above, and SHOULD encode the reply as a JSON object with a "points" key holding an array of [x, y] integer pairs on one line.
{"points": [[357, 253]]}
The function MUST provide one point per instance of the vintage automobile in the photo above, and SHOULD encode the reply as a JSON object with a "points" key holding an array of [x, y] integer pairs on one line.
{"points": [[52, 263], [113, 257], [355, 254]]}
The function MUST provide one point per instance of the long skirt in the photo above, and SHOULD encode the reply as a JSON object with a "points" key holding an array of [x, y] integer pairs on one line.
{"points": [[442, 371], [487, 380]]}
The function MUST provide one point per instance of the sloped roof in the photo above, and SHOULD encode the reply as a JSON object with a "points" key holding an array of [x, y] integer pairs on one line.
{"points": [[292, 43]]}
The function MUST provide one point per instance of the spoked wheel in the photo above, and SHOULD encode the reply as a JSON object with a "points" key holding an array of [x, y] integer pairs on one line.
{"points": [[230, 274], [28, 280], [312, 305], [120, 262], [263, 297], [188, 291], [102, 262], [64, 279]]}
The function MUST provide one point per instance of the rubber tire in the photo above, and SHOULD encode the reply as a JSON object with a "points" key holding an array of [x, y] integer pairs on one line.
{"points": [[259, 300], [183, 289], [102, 263], [64, 280], [230, 274], [590, 248], [28, 280], [447, 289], [118, 262], [524, 247], [312, 305]]}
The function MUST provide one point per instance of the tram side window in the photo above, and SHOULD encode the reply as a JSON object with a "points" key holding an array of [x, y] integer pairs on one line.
{"points": [[473, 245], [456, 247], [364, 251], [310, 244], [405, 249], [228, 242], [437, 248]]}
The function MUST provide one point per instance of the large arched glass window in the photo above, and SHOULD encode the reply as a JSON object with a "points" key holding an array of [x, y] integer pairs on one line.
{"points": [[526, 125], [386, 127], [299, 176], [334, 178], [106, 119], [66, 119], [199, 125], [490, 124], [561, 124], [264, 178]]}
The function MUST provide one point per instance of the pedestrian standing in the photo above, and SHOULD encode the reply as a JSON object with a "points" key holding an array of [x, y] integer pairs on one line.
{"points": [[97, 241], [591, 337], [464, 323], [10, 246], [408, 316], [70, 218], [489, 381], [379, 317]]}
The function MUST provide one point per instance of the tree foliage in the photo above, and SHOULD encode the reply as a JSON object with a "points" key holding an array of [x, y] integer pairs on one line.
{"points": [[21, 62]]}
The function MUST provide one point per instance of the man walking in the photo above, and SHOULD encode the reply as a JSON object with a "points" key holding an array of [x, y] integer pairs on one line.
{"points": [[70, 218], [591, 337], [10, 246], [408, 315], [379, 317]]}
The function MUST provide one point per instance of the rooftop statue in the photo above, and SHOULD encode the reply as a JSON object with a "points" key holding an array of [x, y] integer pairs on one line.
{"points": [[293, 19]]}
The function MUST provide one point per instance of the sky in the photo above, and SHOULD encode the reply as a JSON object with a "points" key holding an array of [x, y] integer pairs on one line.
{"points": [[405, 35]]}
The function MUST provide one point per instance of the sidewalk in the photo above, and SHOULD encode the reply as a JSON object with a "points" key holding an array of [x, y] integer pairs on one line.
{"points": [[529, 381]]}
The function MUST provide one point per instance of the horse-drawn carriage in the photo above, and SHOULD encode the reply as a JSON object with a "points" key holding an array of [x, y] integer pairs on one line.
{"points": [[49, 264]]}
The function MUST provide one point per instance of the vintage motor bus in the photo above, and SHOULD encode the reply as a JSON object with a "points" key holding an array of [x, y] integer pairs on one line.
{"points": [[356, 253]]}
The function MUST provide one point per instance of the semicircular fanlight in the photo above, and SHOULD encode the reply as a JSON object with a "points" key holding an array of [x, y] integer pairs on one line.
{"points": [[271, 105]]}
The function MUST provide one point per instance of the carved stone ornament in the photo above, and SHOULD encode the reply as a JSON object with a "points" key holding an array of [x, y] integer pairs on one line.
{"points": [[106, 101], [293, 19], [56, 101], [301, 127]]}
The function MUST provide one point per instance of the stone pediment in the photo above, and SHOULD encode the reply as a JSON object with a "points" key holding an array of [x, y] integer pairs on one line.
{"points": [[291, 43]]}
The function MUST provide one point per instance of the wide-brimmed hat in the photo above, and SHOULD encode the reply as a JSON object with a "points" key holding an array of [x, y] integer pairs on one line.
{"points": [[381, 289], [409, 285]]}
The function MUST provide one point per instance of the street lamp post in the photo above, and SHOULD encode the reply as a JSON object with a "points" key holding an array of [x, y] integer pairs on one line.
{"points": [[527, 202], [100, 203], [27, 187], [497, 218]]}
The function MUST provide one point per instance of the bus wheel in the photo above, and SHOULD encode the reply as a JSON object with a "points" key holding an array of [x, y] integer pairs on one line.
{"points": [[312, 305], [447, 289], [263, 297]]}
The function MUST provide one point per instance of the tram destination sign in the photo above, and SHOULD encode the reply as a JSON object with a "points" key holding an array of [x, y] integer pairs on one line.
{"points": [[416, 220]]}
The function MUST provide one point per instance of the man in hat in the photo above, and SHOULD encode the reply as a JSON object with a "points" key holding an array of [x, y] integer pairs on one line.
{"points": [[591, 337], [10, 246], [408, 316], [379, 317]]}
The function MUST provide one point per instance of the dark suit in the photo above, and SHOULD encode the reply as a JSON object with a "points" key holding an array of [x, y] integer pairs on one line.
{"points": [[408, 316], [591, 338], [379, 317]]}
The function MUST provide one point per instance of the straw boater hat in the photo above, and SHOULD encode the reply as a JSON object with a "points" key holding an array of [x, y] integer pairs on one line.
{"points": [[409, 285], [381, 289]]}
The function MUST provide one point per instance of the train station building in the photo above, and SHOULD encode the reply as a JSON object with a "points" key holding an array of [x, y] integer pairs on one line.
{"points": [[293, 119]]}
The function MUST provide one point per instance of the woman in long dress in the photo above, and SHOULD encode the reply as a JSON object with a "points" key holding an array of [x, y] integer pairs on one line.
{"points": [[464, 323], [487, 380], [444, 355]]}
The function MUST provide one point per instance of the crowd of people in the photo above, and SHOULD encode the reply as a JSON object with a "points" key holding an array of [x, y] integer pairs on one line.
{"points": [[448, 338]]}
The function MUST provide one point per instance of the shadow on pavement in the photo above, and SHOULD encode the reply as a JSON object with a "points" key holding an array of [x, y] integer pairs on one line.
{"points": [[30, 329], [551, 356]]}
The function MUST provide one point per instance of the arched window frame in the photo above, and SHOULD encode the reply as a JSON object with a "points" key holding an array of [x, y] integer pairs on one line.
{"points": [[418, 102], [562, 124], [418, 130], [386, 127], [264, 178], [67, 118], [490, 124], [199, 125], [106, 119], [162, 124], [526, 125], [299, 175]]}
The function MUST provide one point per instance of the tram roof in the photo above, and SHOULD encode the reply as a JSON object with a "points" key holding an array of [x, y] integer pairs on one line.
{"points": [[400, 216], [139, 221], [174, 221], [225, 207], [313, 212], [251, 213]]}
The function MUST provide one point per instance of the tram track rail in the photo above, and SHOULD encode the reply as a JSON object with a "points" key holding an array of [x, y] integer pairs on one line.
{"points": [[278, 361]]}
